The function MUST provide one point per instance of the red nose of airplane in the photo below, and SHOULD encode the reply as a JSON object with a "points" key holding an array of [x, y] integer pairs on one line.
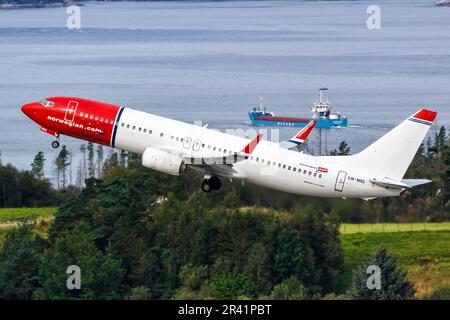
{"points": [[31, 109]]}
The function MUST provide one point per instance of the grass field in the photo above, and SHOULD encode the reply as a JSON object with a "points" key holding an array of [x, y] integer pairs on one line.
{"points": [[425, 255], [349, 228], [15, 214]]}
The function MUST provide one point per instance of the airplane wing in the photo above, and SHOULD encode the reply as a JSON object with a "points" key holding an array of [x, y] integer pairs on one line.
{"points": [[223, 165], [300, 137]]}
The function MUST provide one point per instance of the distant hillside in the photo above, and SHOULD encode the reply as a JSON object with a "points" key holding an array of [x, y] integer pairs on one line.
{"points": [[12, 4]]}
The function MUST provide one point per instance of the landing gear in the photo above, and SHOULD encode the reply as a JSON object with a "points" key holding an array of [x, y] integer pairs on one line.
{"points": [[55, 144], [212, 183]]}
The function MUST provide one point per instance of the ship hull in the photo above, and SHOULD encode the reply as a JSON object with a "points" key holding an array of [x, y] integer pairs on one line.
{"points": [[297, 122]]}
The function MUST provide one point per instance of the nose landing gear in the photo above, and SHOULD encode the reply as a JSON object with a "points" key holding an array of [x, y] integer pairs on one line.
{"points": [[55, 144], [210, 184]]}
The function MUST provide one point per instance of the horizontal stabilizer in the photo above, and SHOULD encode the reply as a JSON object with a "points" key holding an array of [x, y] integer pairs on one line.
{"points": [[411, 183], [404, 184]]}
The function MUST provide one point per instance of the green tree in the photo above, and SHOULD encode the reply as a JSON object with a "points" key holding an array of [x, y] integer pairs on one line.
{"points": [[290, 289], [19, 263], [290, 257], [83, 171], [394, 285], [232, 286], [99, 161], [37, 167], [231, 199], [258, 267], [111, 161], [62, 163], [123, 158], [90, 160], [101, 274], [343, 150], [139, 293]]}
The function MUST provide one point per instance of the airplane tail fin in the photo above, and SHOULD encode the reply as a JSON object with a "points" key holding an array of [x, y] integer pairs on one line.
{"points": [[391, 155]]}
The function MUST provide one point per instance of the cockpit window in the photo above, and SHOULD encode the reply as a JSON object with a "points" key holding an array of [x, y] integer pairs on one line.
{"points": [[46, 103]]}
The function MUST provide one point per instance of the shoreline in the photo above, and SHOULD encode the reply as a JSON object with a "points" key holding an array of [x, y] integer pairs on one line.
{"points": [[14, 6]]}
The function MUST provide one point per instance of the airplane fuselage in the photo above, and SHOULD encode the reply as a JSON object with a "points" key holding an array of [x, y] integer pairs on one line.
{"points": [[269, 165]]}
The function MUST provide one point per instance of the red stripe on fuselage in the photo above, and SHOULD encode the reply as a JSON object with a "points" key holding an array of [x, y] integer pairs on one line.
{"points": [[65, 119]]}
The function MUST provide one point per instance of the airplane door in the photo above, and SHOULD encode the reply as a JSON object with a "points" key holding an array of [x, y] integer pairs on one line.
{"points": [[196, 145], [187, 142], [71, 110], [340, 181]]}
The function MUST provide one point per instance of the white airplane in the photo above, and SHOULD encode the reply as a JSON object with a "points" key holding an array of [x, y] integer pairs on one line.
{"points": [[172, 146]]}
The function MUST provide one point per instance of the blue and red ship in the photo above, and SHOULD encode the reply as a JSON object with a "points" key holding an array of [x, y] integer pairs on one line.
{"points": [[321, 110]]}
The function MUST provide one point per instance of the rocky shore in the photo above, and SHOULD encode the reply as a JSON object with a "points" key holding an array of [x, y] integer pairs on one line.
{"points": [[6, 6]]}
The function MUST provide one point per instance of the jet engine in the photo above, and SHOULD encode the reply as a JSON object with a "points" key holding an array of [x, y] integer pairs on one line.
{"points": [[163, 161]]}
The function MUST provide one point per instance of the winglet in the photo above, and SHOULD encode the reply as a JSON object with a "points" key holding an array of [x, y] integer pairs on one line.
{"points": [[424, 116], [303, 134], [248, 149]]}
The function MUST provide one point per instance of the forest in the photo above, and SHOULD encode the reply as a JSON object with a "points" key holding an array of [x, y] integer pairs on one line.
{"points": [[139, 234]]}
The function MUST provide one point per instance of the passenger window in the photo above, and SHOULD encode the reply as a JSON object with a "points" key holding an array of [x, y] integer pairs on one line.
{"points": [[289, 168], [106, 120], [96, 118], [134, 128], [91, 117], [128, 126], [315, 174], [140, 129], [145, 130], [320, 175], [304, 171], [86, 115], [101, 119], [309, 173], [111, 121], [294, 169], [150, 131], [161, 134], [284, 166], [81, 114]]}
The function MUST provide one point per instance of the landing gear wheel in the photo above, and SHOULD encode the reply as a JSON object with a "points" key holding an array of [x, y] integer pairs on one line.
{"points": [[55, 144], [215, 183], [206, 187]]}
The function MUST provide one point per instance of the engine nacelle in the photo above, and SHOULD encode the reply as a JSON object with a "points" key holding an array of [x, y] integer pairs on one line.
{"points": [[163, 161]]}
